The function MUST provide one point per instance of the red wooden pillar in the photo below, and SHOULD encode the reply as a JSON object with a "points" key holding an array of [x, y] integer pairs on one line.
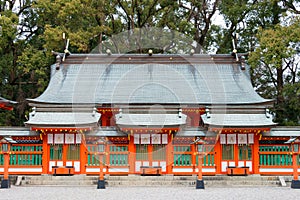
{"points": [[194, 153], [5, 182], [131, 156], [101, 175], [295, 166], [64, 154], [295, 182], [101, 181], [218, 156], [45, 156], [200, 156], [107, 158], [200, 182], [236, 152], [83, 156], [255, 159], [169, 155], [6, 165]]}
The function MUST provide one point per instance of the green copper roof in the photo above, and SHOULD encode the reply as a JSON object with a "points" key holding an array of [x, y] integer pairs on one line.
{"points": [[150, 83]]}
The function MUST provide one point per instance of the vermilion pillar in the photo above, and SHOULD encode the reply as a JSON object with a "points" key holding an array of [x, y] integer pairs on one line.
{"points": [[295, 182], [5, 182], [83, 156], [199, 167], [200, 182], [295, 167], [131, 154], [170, 155], [101, 181], [218, 155], [255, 155], [45, 156]]}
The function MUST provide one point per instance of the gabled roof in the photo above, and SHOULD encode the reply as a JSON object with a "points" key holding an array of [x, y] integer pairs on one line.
{"points": [[63, 119], [17, 131], [6, 104], [157, 79], [237, 120], [284, 132]]}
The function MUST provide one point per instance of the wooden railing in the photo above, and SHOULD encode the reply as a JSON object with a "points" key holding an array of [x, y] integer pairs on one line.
{"points": [[275, 155], [182, 155], [93, 155], [26, 155], [117, 155], [208, 160]]}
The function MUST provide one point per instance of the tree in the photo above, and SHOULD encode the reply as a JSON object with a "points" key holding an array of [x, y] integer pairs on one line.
{"points": [[197, 21], [276, 57], [82, 21], [19, 37], [31, 29]]}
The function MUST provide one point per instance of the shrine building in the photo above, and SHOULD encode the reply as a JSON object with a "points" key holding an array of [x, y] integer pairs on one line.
{"points": [[6, 104], [150, 114]]}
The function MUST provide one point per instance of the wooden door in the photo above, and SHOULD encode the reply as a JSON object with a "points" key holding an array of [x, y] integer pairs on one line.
{"points": [[228, 156], [245, 156], [72, 156], [159, 156], [142, 157], [55, 155]]}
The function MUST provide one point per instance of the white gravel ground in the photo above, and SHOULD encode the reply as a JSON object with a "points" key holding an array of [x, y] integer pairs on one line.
{"points": [[153, 193]]}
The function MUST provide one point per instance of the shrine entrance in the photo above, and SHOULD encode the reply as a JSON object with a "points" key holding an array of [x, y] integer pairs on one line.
{"points": [[237, 151], [64, 151], [150, 153]]}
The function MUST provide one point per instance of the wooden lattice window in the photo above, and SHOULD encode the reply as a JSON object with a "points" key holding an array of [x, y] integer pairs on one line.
{"points": [[73, 152], [93, 154], [141, 152], [227, 151], [245, 152], [118, 155], [56, 152], [182, 155], [159, 152]]}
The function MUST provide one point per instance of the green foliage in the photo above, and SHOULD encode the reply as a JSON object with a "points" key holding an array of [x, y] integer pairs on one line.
{"points": [[23, 67], [82, 21], [8, 23], [291, 114], [6, 117], [275, 68]]}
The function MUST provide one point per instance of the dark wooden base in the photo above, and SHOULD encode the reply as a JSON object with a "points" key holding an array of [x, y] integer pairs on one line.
{"points": [[200, 184], [101, 184], [5, 183], [295, 184]]}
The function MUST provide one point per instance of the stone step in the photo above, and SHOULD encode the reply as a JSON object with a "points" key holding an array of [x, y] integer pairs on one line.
{"points": [[136, 180], [191, 183]]}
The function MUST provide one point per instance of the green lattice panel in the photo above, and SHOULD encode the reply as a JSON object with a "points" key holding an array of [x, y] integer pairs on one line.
{"points": [[1, 159], [182, 159], [118, 159]]}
